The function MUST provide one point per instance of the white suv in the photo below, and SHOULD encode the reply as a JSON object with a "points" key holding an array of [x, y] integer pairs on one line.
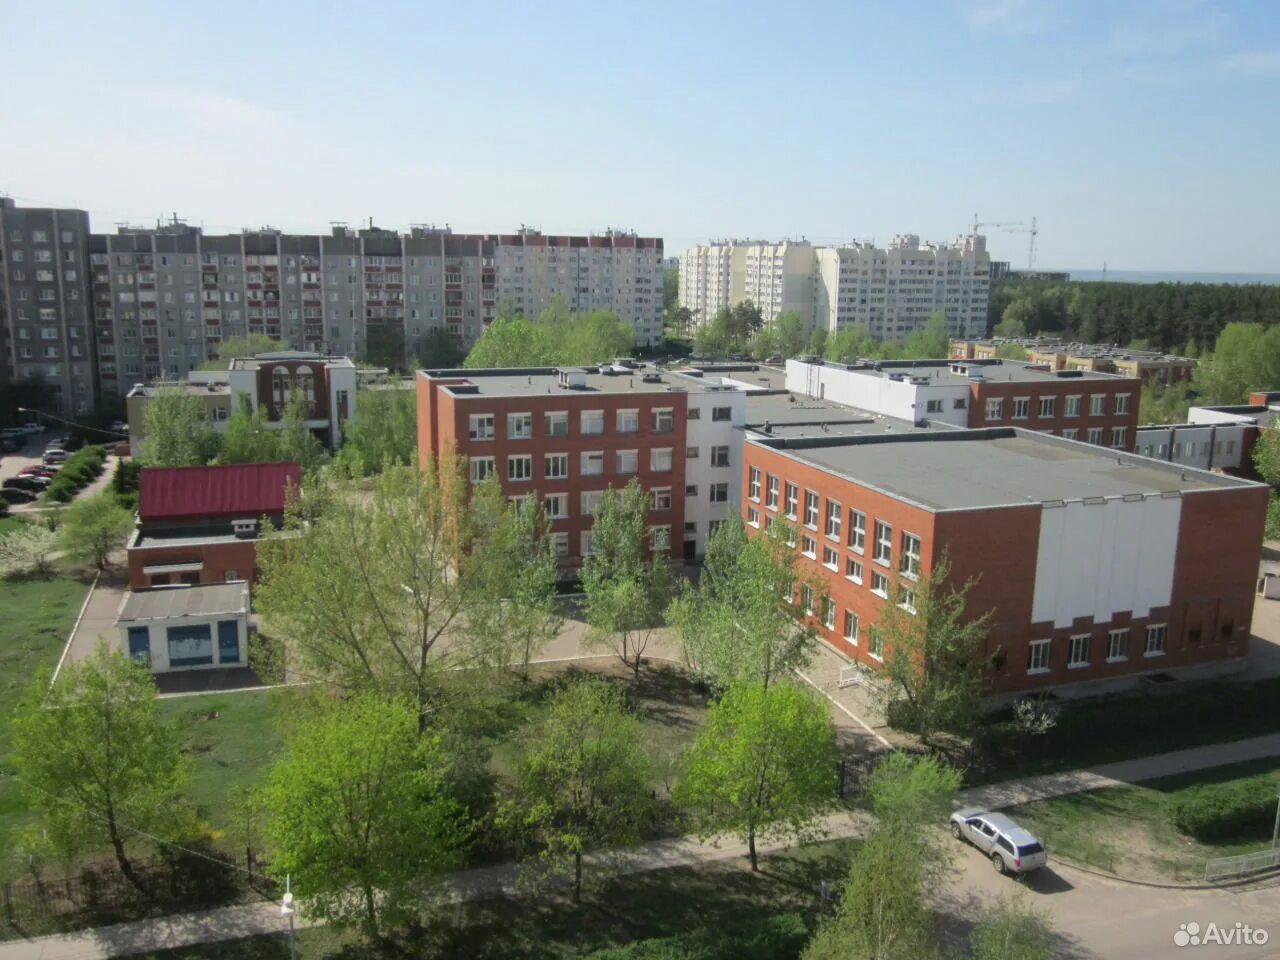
{"points": [[1011, 848]]}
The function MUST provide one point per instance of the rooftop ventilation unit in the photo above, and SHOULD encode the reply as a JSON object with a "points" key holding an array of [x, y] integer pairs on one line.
{"points": [[572, 378], [651, 378]]}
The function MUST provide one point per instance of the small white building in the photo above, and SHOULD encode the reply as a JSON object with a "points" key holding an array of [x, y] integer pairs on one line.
{"points": [[186, 628]]}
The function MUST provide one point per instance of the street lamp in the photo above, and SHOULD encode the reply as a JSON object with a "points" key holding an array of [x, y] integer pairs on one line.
{"points": [[288, 909]]}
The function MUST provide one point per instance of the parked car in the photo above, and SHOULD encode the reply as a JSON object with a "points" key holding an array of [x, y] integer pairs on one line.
{"points": [[14, 495], [12, 444], [39, 471], [1011, 848], [32, 428], [36, 484], [55, 455]]}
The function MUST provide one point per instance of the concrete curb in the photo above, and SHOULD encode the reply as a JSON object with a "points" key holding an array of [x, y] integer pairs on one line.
{"points": [[66, 647], [1269, 873]]}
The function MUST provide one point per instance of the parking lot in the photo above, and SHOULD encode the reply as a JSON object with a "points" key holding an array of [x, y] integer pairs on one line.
{"points": [[31, 455]]}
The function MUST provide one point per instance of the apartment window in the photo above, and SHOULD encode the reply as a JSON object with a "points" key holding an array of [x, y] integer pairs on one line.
{"points": [[1047, 405], [556, 466], [1117, 646], [1021, 408], [851, 627], [1122, 403], [1097, 404], [834, 519], [853, 570], [664, 420], [753, 485], [556, 424], [828, 613], [811, 510], [557, 505], [520, 468], [588, 545], [884, 543], [691, 453], [771, 495], [481, 469], [560, 542], [1072, 407], [1095, 436], [519, 426], [662, 498], [592, 422], [1155, 641], [1038, 656], [482, 426], [879, 584], [933, 406], [659, 539], [660, 460], [910, 562], [628, 461], [1119, 437], [830, 558], [875, 644], [720, 456], [628, 421], [793, 500], [695, 413], [857, 530], [753, 516], [591, 500], [720, 414], [907, 599], [806, 599], [691, 490], [719, 493], [593, 463], [1070, 434], [995, 408], [1079, 651]]}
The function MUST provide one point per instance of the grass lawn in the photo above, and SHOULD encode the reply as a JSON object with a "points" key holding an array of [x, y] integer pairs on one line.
{"points": [[9, 524], [1127, 830], [661, 903]]}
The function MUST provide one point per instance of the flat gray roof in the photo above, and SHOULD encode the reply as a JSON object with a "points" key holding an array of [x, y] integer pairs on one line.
{"points": [[543, 380], [996, 371], [797, 415], [208, 600], [985, 468]]}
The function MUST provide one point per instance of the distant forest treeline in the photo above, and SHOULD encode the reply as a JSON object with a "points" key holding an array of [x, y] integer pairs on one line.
{"points": [[1173, 317]]}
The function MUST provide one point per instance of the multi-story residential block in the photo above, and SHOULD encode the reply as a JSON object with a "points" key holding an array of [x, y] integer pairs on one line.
{"points": [[565, 435], [892, 290], [1099, 408], [1094, 565], [46, 330]]}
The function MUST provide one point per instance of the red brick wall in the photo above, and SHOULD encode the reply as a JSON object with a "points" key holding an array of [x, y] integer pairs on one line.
{"points": [[240, 556], [979, 393]]}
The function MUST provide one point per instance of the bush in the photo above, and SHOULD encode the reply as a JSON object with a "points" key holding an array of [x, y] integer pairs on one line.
{"points": [[1236, 810], [779, 937], [77, 472], [63, 489]]}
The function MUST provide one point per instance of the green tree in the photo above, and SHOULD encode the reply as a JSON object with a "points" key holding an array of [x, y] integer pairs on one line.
{"points": [[929, 342], [1266, 455], [817, 344], [437, 350], [1011, 351], [763, 766], [737, 625], [511, 342], [1159, 403], [384, 429], [94, 527], [297, 444], [584, 779], [1013, 930], [249, 346], [790, 329], [513, 566], [95, 758], [933, 653], [1245, 358], [678, 321], [28, 549], [1011, 327], [359, 814], [177, 431], [628, 585], [361, 583], [248, 437], [670, 289], [851, 343]]}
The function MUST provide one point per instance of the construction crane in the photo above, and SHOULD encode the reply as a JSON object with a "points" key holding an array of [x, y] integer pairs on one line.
{"points": [[1031, 244], [977, 224]]}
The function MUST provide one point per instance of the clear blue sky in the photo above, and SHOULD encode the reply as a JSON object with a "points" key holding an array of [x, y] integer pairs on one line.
{"points": [[1143, 133]]}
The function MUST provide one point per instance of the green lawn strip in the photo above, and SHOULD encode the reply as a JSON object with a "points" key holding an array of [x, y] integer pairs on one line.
{"points": [[1128, 830], [721, 895], [10, 523]]}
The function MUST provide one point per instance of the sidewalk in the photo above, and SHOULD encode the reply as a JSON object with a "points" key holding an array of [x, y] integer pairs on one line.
{"points": [[230, 923]]}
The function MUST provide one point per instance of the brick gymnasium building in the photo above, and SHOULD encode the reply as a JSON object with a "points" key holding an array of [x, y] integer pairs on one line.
{"points": [[200, 525], [1096, 564], [565, 435]]}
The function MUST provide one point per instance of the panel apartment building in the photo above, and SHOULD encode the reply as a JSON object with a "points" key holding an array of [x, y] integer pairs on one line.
{"points": [[892, 290]]}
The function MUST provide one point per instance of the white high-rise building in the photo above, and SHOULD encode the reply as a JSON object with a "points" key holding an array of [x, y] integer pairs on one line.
{"points": [[706, 273]]}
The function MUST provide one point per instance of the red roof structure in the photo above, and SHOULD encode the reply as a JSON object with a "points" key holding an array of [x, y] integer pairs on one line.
{"points": [[238, 490]]}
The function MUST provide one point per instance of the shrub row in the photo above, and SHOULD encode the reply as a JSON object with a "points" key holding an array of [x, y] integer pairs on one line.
{"points": [[1237, 810], [779, 937], [77, 472]]}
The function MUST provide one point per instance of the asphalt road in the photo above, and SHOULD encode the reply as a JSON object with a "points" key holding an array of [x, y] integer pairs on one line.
{"points": [[1100, 918]]}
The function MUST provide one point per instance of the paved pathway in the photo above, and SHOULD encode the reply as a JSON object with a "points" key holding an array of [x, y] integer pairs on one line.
{"points": [[231, 923]]}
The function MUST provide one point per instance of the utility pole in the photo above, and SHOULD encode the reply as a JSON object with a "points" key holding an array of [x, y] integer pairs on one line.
{"points": [[288, 909]]}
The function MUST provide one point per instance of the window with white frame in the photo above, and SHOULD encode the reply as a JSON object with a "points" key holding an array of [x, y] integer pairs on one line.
{"points": [[1047, 405], [771, 492], [809, 547], [753, 517], [520, 467], [1095, 436], [879, 584], [811, 510], [628, 421], [910, 560], [995, 408], [721, 414], [593, 463], [661, 498], [719, 493], [828, 613], [753, 485], [834, 519], [1038, 656], [556, 466], [481, 426], [1072, 407], [720, 456], [560, 543], [556, 423], [691, 453], [1122, 402], [1021, 408], [830, 558], [1117, 646], [660, 460], [793, 500], [659, 539], [875, 644], [481, 469], [1079, 650], [1119, 437], [591, 500], [1070, 434], [884, 543], [906, 598], [628, 461], [1155, 640], [592, 422], [806, 598], [519, 426], [1097, 404], [588, 543], [664, 420], [851, 627], [853, 570], [857, 530], [557, 505]]}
